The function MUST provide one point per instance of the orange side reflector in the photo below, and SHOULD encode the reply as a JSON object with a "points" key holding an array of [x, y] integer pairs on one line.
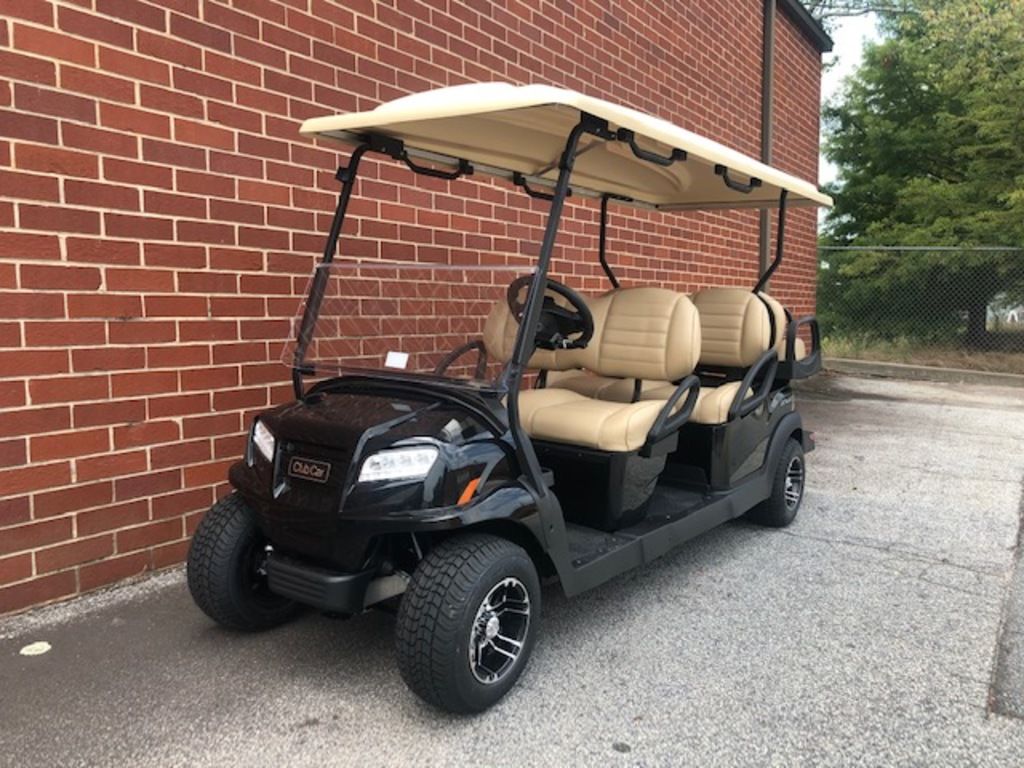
{"points": [[469, 490]]}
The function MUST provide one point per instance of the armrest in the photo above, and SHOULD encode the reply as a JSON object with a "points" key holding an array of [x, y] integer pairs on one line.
{"points": [[810, 363], [455, 354], [765, 368], [668, 422]]}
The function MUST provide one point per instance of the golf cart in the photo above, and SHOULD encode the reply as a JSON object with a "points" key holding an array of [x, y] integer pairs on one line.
{"points": [[477, 426]]}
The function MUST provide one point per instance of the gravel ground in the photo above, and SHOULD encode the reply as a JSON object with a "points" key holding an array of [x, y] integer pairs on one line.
{"points": [[866, 633]]}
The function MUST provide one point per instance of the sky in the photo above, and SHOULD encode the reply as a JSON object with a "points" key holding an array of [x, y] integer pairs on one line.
{"points": [[848, 35]]}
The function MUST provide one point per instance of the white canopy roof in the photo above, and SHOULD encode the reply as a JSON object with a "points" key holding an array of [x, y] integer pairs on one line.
{"points": [[502, 128]]}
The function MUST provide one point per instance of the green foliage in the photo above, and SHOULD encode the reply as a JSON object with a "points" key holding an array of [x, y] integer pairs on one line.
{"points": [[928, 137]]}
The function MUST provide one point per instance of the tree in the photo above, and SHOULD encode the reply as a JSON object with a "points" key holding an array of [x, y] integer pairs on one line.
{"points": [[928, 138]]}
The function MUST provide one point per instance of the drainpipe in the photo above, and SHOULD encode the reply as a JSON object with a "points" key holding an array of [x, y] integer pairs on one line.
{"points": [[767, 112]]}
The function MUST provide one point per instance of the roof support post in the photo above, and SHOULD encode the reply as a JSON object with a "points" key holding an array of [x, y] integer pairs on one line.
{"points": [[525, 338], [780, 237], [602, 243], [347, 176], [767, 116]]}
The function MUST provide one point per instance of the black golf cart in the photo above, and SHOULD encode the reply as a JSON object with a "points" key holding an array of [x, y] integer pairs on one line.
{"points": [[475, 427]]}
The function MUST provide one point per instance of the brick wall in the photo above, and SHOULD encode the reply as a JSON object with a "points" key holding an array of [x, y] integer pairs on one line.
{"points": [[159, 215]]}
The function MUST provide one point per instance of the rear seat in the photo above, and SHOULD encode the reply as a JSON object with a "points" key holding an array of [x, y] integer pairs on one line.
{"points": [[736, 330], [650, 334]]}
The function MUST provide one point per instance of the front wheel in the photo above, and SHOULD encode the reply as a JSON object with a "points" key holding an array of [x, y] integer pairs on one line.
{"points": [[226, 573], [779, 509], [467, 622]]}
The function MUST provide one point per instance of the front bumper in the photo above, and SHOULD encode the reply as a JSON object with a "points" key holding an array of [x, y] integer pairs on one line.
{"points": [[318, 587]]}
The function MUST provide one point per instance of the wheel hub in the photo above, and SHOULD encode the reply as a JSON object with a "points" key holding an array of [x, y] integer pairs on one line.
{"points": [[499, 631]]}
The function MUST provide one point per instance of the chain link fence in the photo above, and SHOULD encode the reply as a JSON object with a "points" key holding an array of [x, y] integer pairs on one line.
{"points": [[944, 306]]}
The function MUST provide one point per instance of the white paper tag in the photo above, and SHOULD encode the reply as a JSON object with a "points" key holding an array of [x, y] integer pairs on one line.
{"points": [[396, 360]]}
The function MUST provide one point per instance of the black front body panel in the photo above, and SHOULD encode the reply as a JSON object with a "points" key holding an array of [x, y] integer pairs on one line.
{"points": [[308, 500]]}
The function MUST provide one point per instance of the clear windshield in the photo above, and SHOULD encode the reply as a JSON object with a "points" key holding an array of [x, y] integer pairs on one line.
{"points": [[402, 317]]}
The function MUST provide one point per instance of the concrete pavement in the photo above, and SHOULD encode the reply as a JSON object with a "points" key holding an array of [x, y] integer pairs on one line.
{"points": [[866, 633]]}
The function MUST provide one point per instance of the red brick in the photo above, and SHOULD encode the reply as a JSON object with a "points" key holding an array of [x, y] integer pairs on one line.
{"points": [[117, 412], [17, 66], [111, 465], [34, 421], [26, 305], [168, 100], [58, 278], [146, 485], [178, 405], [68, 389], [138, 120], [34, 535], [145, 433], [179, 455], [12, 453], [94, 27], [169, 554], [100, 195], [100, 140], [78, 497], [182, 502], [109, 571], [208, 184], [40, 11], [135, 67], [18, 125], [148, 280], [108, 358], [15, 568], [55, 160], [205, 232], [172, 204], [15, 510], [58, 219], [141, 174], [20, 246], [37, 591], [35, 362], [216, 424], [32, 98], [52, 333], [143, 383], [54, 45], [112, 517], [79, 551], [191, 132], [177, 256], [96, 84], [70, 444], [143, 227], [29, 186], [178, 356], [142, 332], [102, 251], [149, 535], [104, 305], [172, 154], [140, 13]]}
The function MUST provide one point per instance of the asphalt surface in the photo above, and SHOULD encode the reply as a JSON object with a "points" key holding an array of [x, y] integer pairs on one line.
{"points": [[871, 632]]}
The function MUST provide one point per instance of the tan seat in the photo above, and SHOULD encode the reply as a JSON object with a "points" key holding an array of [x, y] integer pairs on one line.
{"points": [[735, 333], [646, 333], [781, 325]]}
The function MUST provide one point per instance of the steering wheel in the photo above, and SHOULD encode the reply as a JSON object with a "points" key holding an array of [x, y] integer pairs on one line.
{"points": [[557, 323]]}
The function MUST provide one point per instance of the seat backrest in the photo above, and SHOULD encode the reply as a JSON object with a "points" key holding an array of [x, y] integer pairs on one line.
{"points": [[735, 327], [780, 322], [645, 333], [639, 333]]}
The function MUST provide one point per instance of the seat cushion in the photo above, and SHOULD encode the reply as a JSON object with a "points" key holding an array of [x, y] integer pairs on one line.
{"points": [[606, 387], [564, 416], [713, 403]]}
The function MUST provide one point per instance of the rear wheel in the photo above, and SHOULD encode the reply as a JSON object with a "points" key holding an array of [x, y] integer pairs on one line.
{"points": [[779, 509], [467, 622], [226, 574]]}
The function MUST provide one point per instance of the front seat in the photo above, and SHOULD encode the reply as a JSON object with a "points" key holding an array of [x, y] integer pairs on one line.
{"points": [[650, 334]]}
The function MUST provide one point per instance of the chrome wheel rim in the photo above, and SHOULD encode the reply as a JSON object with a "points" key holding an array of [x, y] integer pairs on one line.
{"points": [[794, 488], [499, 629]]}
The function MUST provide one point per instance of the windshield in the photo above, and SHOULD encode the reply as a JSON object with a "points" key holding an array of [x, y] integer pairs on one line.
{"points": [[401, 317]]}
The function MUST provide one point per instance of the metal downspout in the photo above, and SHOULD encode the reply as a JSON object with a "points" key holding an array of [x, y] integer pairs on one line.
{"points": [[767, 115]]}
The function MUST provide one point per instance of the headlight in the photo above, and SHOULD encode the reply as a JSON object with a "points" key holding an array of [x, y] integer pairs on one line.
{"points": [[264, 441], [398, 464]]}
